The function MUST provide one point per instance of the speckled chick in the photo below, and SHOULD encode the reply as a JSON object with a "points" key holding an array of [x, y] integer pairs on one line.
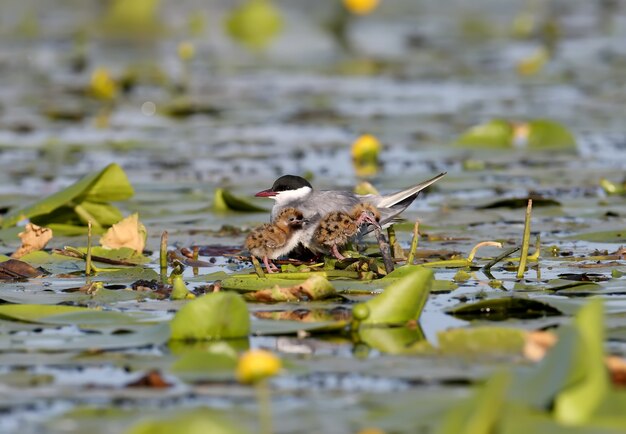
{"points": [[337, 228], [271, 241]]}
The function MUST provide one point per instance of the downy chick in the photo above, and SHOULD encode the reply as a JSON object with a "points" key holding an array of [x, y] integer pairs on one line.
{"points": [[337, 228], [271, 241]]}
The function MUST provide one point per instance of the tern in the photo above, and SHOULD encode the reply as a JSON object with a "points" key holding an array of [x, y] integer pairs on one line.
{"points": [[296, 192], [337, 228], [271, 241]]}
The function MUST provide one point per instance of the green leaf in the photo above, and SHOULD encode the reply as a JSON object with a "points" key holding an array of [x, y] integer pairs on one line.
{"points": [[392, 340], [254, 23], [90, 193], [401, 301], [35, 312], [179, 289], [54, 339], [480, 413], [100, 214], [284, 327], [545, 133], [246, 284], [497, 133], [224, 201], [482, 340], [589, 381], [618, 236], [201, 421], [218, 315], [505, 134], [203, 365]]}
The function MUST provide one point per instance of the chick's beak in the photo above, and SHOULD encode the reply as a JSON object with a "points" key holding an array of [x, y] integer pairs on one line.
{"points": [[266, 193]]}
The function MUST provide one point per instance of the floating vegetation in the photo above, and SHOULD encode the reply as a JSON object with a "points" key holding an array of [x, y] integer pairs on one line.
{"points": [[458, 316]]}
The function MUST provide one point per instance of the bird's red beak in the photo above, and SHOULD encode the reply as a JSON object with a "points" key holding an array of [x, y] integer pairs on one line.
{"points": [[266, 193]]}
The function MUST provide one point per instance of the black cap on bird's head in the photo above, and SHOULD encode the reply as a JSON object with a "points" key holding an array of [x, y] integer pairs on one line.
{"points": [[285, 183]]}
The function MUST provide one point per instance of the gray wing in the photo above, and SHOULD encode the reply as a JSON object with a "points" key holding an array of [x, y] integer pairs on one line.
{"points": [[320, 203]]}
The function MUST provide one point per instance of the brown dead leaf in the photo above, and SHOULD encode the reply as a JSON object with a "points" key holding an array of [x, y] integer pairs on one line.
{"points": [[617, 367], [152, 379], [33, 238], [314, 288], [129, 232], [14, 269]]}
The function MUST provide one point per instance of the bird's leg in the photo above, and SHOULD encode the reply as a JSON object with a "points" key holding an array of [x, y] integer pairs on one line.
{"points": [[367, 217], [336, 253], [267, 264]]}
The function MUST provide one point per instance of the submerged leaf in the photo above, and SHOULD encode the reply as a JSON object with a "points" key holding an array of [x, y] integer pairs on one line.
{"points": [[499, 309], [218, 315]]}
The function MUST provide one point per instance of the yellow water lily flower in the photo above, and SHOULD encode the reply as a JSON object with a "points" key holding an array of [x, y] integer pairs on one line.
{"points": [[360, 7], [102, 85], [256, 365]]}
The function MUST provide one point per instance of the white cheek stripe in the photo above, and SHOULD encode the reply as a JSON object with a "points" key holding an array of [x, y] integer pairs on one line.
{"points": [[287, 196]]}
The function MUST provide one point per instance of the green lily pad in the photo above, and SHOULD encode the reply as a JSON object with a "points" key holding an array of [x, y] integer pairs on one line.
{"points": [[204, 366], [481, 340], [35, 312], [198, 421], [504, 134], [85, 200], [218, 315], [618, 236], [401, 301], [254, 23]]}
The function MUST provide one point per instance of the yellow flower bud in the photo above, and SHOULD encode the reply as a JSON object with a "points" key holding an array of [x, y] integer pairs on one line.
{"points": [[256, 365], [360, 7], [186, 51], [365, 152], [102, 85]]}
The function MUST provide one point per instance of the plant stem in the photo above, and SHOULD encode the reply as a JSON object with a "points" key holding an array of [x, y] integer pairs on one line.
{"points": [[384, 250], [414, 242], [257, 268], [264, 400], [163, 257], [391, 235], [88, 267], [196, 252], [525, 241]]}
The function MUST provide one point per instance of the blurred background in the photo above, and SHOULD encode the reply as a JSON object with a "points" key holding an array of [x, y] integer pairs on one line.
{"points": [[193, 94]]}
